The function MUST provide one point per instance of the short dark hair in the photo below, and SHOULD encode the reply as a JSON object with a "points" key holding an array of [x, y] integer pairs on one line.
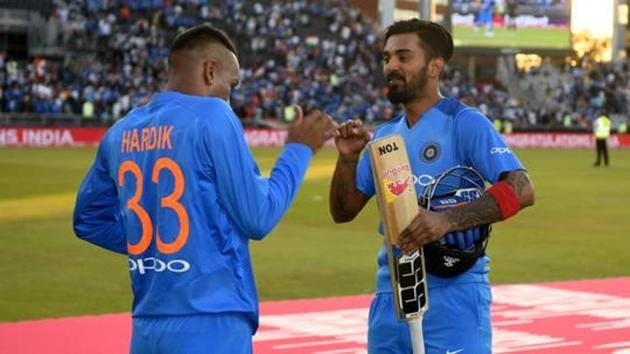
{"points": [[199, 35], [434, 38]]}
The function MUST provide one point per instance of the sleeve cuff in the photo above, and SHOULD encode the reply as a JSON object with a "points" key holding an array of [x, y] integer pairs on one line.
{"points": [[302, 151]]}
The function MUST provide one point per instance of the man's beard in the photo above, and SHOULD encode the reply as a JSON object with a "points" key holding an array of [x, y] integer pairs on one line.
{"points": [[409, 91]]}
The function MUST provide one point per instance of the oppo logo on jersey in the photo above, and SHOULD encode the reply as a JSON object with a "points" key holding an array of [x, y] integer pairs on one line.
{"points": [[500, 150], [144, 265], [423, 180]]}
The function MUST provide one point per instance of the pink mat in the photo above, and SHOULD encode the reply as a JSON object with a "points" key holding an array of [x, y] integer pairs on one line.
{"points": [[589, 316]]}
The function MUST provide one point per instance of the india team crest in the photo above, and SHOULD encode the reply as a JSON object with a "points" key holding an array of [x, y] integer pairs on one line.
{"points": [[430, 152]]}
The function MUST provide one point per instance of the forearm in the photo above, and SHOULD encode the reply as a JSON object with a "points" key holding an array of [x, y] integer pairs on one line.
{"points": [[345, 200], [283, 185], [482, 211], [487, 209], [256, 203], [109, 236], [522, 186], [97, 218], [98, 223]]}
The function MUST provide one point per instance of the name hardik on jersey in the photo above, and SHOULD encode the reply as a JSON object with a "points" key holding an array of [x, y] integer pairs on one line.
{"points": [[447, 135], [175, 187]]}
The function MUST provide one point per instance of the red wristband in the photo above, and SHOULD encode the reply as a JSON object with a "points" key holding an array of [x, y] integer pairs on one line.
{"points": [[506, 199]]}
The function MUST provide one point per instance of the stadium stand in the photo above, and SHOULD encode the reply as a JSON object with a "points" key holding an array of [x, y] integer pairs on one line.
{"points": [[318, 54], [110, 55]]}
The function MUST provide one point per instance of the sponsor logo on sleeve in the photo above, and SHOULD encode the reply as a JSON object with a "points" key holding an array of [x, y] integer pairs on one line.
{"points": [[500, 150]]}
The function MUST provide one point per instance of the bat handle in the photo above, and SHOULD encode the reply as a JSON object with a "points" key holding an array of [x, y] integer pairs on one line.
{"points": [[417, 338]]}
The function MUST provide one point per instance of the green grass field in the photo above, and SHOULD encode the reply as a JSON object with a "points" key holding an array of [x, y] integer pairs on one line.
{"points": [[579, 228], [551, 38]]}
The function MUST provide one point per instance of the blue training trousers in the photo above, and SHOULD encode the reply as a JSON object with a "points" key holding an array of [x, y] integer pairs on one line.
{"points": [[207, 334], [458, 321]]}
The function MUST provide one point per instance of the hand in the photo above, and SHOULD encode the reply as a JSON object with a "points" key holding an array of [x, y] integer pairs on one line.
{"points": [[313, 130], [351, 139], [426, 227]]}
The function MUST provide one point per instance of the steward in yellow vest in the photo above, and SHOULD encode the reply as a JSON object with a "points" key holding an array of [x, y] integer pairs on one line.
{"points": [[601, 130]]}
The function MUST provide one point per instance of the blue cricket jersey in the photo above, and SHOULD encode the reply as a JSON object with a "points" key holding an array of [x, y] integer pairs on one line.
{"points": [[175, 187], [447, 135]]}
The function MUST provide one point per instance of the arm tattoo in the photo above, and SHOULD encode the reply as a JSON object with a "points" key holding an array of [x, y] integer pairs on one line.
{"points": [[484, 210], [518, 180]]}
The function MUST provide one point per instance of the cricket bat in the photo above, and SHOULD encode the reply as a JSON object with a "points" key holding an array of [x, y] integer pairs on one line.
{"points": [[398, 205]]}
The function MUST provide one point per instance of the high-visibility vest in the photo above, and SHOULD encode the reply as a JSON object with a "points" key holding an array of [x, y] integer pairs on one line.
{"points": [[88, 110], [289, 113], [497, 124], [566, 121], [601, 127]]}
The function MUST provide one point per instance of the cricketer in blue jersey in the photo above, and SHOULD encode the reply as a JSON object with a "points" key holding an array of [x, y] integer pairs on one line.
{"points": [[175, 187], [439, 133], [486, 17]]}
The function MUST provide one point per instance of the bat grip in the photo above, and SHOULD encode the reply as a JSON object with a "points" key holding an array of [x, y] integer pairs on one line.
{"points": [[417, 337]]}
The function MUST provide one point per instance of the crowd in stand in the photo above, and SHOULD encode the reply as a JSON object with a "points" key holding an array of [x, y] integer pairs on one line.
{"points": [[316, 53], [573, 95], [551, 96]]}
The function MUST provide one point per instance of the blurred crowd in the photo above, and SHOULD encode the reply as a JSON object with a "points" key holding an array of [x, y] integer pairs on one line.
{"points": [[573, 94], [316, 53], [550, 96], [321, 54]]}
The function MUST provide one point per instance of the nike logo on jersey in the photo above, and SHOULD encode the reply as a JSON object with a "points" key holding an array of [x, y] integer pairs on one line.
{"points": [[454, 351]]}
